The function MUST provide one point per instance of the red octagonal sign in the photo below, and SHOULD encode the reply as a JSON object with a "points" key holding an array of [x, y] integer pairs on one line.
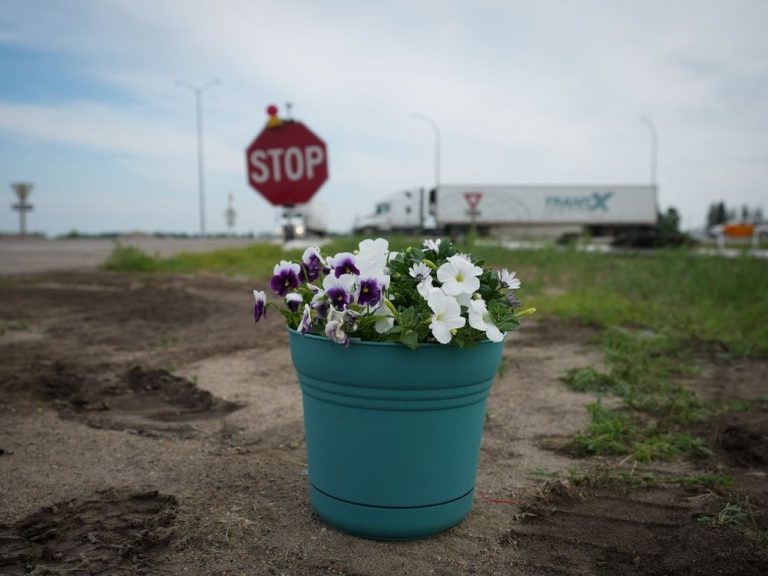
{"points": [[287, 164]]}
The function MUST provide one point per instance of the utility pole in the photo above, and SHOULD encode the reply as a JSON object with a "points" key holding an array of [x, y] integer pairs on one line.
{"points": [[198, 92], [22, 191]]}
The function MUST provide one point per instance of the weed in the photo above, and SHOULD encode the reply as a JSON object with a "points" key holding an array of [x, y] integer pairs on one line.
{"points": [[542, 473], [130, 259], [708, 480], [732, 514], [14, 326], [612, 432]]}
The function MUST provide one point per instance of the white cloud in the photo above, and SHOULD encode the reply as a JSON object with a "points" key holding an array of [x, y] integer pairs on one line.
{"points": [[544, 92]]}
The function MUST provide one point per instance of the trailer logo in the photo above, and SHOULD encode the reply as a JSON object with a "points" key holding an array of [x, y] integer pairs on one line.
{"points": [[473, 199], [597, 201]]}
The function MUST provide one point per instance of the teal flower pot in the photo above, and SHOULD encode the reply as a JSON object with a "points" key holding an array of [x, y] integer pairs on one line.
{"points": [[393, 435]]}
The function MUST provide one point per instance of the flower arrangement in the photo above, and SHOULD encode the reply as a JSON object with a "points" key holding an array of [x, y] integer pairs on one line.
{"points": [[421, 295]]}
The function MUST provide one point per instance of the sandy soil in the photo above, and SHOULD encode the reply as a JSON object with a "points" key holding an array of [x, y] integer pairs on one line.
{"points": [[148, 427]]}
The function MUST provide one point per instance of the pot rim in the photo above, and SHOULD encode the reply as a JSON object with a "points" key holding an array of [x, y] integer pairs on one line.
{"points": [[359, 342]]}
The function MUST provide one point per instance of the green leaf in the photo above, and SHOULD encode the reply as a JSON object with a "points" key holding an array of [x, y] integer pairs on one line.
{"points": [[410, 339]]}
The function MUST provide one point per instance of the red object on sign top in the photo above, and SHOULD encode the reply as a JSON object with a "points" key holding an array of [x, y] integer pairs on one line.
{"points": [[287, 163]]}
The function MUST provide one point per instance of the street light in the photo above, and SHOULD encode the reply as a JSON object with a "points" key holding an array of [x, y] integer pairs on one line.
{"points": [[654, 147], [432, 123], [198, 91], [436, 130]]}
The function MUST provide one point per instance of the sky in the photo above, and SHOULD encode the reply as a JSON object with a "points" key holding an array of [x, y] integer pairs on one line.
{"points": [[523, 92]]}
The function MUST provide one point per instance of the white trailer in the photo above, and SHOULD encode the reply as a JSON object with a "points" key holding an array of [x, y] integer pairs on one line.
{"points": [[544, 210]]}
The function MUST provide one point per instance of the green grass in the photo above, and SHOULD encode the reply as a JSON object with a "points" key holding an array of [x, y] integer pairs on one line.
{"points": [[13, 326], [697, 299], [617, 433]]}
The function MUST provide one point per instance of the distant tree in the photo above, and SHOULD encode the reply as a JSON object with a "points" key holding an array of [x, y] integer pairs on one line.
{"points": [[669, 223], [722, 214], [745, 213], [758, 215]]}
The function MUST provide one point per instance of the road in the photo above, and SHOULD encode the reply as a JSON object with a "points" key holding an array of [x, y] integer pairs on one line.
{"points": [[22, 256]]}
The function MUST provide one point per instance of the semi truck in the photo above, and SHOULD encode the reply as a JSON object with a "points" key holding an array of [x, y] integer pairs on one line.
{"points": [[302, 221], [516, 210]]}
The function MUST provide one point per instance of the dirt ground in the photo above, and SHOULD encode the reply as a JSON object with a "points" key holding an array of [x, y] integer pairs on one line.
{"points": [[148, 427]]}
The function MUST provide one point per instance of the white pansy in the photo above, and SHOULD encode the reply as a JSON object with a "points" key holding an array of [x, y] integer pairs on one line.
{"points": [[384, 324], [480, 319], [419, 271], [372, 254], [508, 279], [446, 317], [458, 275]]}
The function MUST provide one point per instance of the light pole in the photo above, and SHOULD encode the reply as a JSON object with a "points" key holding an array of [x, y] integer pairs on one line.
{"points": [[654, 147], [436, 130], [198, 91]]}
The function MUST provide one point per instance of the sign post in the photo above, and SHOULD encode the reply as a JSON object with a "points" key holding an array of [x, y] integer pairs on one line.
{"points": [[287, 163], [22, 192]]}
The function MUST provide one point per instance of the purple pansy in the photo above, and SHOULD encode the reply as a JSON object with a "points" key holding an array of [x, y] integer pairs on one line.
{"points": [[311, 264], [306, 320], [320, 305], [286, 277], [334, 329], [260, 306], [344, 263], [371, 289], [293, 300], [339, 290]]}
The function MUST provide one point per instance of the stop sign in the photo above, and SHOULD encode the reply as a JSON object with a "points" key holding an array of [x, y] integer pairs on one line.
{"points": [[287, 163]]}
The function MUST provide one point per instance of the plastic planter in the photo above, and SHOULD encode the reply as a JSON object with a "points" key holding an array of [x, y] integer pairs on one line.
{"points": [[393, 435]]}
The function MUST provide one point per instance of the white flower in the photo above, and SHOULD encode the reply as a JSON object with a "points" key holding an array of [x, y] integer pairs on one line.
{"points": [[385, 324], [464, 299], [480, 319], [433, 245], [419, 271], [508, 280], [372, 255], [446, 317], [425, 287], [458, 275]]}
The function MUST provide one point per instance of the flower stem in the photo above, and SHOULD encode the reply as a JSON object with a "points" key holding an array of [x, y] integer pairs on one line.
{"points": [[392, 309], [526, 312], [430, 264]]}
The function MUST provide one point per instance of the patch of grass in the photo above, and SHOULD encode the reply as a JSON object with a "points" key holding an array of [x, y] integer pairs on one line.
{"points": [[732, 514], [656, 412], [708, 480], [606, 477], [14, 326], [612, 432], [671, 292], [130, 259]]}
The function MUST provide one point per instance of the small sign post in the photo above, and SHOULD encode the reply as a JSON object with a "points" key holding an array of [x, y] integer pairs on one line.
{"points": [[22, 191]]}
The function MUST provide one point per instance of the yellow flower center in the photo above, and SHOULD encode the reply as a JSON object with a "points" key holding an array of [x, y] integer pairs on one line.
{"points": [[459, 277]]}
